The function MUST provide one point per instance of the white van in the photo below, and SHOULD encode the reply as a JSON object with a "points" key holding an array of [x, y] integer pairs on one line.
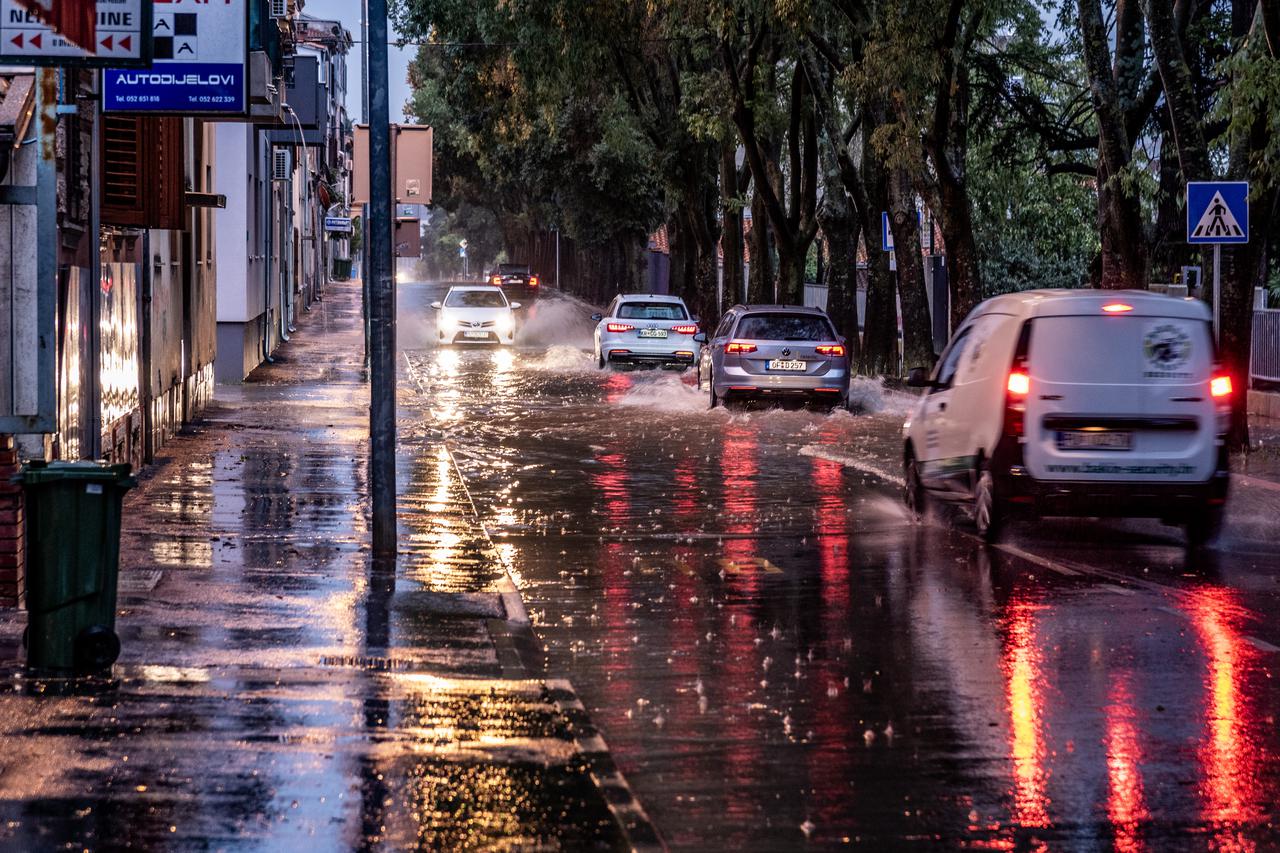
{"points": [[1075, 402]]}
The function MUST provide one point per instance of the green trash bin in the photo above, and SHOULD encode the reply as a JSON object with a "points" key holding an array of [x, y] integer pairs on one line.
{"points": [[73, 561]]}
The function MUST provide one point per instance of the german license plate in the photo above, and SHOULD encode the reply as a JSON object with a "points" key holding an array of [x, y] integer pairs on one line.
{"points": [[1088, 439], [781, 364], [475, 334], [653, 333]]}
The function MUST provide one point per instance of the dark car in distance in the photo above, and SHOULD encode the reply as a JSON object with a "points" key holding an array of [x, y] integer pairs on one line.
{"points": [[517, 280]]}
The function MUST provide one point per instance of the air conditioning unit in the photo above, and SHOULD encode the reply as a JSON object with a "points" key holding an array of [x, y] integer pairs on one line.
{"points": [[279, 8], [281, 164]]}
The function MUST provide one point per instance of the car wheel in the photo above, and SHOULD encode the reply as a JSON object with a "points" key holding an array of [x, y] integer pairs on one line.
{"points": [[600, 359], [988, 511], [715, 401], [913, 489], [1204, 527]]}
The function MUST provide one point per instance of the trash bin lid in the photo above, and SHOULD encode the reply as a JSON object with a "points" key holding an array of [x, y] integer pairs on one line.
{"points": [[38, 472]]}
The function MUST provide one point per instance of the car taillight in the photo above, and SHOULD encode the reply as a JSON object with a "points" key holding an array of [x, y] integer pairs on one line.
{"points": [[738, 347], [1018, 386], [1220, 387], [533, 281], [496, 280], [619, 327], [1117, 308], [688, 329], [830, 349]]}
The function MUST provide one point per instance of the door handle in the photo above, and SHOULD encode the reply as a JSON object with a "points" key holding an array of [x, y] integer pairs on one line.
{"points": [[942, 407]]}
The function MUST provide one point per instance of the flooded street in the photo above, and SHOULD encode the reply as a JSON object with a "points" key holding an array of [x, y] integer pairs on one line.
{"points": [[775, 653]]}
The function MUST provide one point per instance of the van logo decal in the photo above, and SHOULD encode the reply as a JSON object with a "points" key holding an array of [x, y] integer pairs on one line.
{"points": [[1167, 347]]}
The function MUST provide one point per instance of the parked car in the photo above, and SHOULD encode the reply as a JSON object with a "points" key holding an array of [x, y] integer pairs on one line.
{"points": [[476, 314], [1075, 402], [775, 351], [647, 329], [517, 280]]}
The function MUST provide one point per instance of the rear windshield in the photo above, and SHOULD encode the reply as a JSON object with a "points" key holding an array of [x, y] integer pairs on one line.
{"points": [[784, 327], [652, 311], [476, 299], [513, 269], [1126, 350]]}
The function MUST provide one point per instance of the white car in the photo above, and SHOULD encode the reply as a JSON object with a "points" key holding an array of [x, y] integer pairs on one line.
{"points": [[1075, 402], [646, 329], [478, 314]]}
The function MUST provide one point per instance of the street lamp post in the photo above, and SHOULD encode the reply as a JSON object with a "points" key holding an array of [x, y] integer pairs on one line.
{"points": [[382, 305]]}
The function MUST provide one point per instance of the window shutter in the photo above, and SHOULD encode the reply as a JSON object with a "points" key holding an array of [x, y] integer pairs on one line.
{"points": [[168, 160], [142, 172], [123, 197]]}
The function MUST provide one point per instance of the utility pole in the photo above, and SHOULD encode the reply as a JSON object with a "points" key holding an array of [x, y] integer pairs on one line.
{"points": [[382, 297], [364, 208]]}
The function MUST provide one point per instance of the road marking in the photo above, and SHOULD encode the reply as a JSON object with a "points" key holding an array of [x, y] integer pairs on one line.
{"points": [[749, 564], [1256, 482], [821, 452], [1043, 562], [1261, 645]]}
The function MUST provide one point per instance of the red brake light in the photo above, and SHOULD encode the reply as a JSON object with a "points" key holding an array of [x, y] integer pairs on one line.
{"points": [[831, 349], [1220, 386], [1116, 308], [619, 327], [739, 347], [1019, 384], [687, 329], [533, 281]]}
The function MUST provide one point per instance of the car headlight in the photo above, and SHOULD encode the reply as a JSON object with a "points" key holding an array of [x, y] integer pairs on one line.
{"points": [[507, 326]]}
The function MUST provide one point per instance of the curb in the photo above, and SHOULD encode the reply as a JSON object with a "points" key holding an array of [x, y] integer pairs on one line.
{"points": [[639, 831]]}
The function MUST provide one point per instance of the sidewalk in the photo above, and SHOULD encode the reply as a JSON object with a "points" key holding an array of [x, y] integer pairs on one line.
{"points": [[277, 688]]}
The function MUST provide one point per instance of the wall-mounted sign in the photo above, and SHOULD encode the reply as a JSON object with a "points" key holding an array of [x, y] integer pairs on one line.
{"points": [[340, 224], [200, 63], [120, 36]]}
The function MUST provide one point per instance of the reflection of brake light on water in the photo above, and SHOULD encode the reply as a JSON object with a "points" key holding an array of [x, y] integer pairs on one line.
{"points": [[1229, 756], [1126, 801], [1022, 671]]}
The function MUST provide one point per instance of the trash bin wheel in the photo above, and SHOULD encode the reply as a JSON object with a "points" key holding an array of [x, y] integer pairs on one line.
{"points": [[97, 647]]}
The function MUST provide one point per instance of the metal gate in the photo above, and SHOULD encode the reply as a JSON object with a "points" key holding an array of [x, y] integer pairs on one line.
{"points": [[1264, 361]]}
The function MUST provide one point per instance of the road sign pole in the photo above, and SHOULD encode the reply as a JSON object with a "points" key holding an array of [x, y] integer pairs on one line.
{"points": [[1217, 292], [382, 304]]}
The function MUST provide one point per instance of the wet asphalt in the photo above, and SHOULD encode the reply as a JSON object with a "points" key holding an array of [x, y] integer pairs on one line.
{"points": [[778, 657], [732, 619]]}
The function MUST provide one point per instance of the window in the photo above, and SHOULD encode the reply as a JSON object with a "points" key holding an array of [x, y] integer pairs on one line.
{"points": [[726, 324], [785, 327], [513, 269], [946, 372], [652, 311], [475, 299]]}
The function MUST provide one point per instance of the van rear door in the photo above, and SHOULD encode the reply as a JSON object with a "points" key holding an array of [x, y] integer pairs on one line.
{"points": [[1120, 398]]}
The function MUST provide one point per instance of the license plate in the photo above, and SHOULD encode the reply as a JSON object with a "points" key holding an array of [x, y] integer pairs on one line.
{"points": [[780, 364], [1084, 439], [475, 334], [653, 333]]}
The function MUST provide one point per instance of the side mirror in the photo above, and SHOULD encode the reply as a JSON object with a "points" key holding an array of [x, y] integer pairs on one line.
{"points": [[695, 319], [436, 305], [918, 377], [515, 305], [700, 338], [597, 317]]}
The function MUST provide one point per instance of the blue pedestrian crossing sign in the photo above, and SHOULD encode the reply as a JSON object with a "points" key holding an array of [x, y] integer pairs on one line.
{"points": [[1218, 212]]}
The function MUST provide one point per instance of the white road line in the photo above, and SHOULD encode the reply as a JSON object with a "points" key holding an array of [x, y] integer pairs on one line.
{"points": [[1256, 482], [821, 452], [1261, 645]]}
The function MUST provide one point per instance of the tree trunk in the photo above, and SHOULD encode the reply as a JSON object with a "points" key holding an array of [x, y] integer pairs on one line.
{"points": [[835, 215], [917, 328], [731, 239], [1124, 245], [964, 275], [760, 287], [880, 336], [791, 264]]}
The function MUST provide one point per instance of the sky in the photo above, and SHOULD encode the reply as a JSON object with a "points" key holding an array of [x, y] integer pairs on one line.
{"points": [[348, 12]]}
